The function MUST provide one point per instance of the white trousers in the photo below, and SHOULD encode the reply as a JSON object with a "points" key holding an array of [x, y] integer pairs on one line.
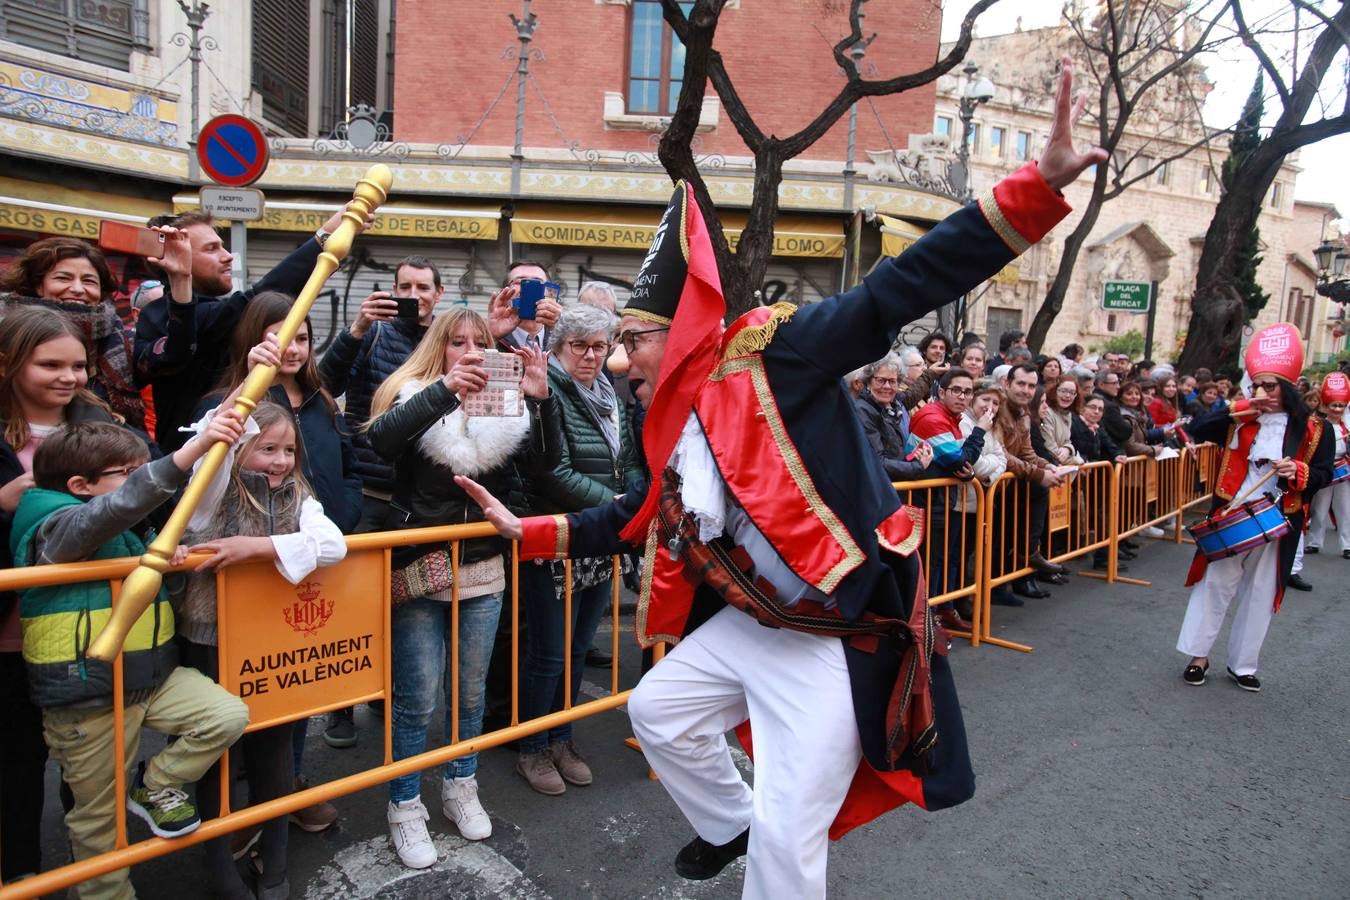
{"points": [[1337, 497], [795, 690], [1251, 578], [1298, 558]]}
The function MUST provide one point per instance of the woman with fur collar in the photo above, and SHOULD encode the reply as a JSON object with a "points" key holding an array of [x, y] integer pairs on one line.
{"points": [[418, 424]]}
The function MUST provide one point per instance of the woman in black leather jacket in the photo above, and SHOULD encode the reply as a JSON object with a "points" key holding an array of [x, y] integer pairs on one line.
{"points": [[418, 424]]}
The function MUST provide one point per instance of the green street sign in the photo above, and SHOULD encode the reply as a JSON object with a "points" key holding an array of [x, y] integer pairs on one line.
{"points": [[1126, 296]]}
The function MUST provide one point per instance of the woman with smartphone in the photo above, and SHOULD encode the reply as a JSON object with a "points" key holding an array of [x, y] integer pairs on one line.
{"points": [[420, 422]]}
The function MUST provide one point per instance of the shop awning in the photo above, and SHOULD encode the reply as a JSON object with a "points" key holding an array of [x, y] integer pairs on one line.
{"points": [[475, 222], [897, 236], [52, 209], [633, 229]]}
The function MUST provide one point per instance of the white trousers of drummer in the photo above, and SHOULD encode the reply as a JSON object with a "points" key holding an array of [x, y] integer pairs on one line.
{"points": [[1337, 497], [1251, 578], [794, 688]]}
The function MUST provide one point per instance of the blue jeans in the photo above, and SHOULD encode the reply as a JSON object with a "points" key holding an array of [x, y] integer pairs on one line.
{"points": [[543, 689], [421, 635]]}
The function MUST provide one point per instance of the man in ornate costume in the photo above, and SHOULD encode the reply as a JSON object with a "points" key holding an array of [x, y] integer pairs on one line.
{"points": [[767, 507], [1283, 437]]}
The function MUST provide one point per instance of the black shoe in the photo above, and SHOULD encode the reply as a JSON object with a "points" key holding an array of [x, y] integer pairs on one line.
{"points": [[1345, 554], [1311, 550], [1195, 674], [1246, 682], [1004, 597], [600, 659], [964, 608], [1297, 583], [1100, 565], [1127, 554], [1129, 544], [341, 731], [699, 860], [1044, 567], [1028, 587], [1057, 579]]}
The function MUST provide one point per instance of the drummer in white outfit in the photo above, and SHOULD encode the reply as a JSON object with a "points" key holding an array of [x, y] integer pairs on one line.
{"points": [[1288, 440], [1335, 394]]}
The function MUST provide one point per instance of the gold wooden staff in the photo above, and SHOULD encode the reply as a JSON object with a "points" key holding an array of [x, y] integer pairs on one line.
{"points": [[141, 586]]}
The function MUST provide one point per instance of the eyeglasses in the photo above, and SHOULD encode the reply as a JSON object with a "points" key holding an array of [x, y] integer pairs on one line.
{"points": [[119, 470], [581, 348], [892, 382], [961, 392], [629, 338], [1267, 386]]}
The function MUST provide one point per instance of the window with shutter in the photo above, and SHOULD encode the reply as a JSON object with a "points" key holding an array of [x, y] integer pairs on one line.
{"points": [[281, 62], [103, 33]]}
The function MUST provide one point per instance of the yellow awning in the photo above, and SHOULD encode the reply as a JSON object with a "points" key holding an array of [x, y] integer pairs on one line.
{"points": [[897, 236], [476, 222], [633, 229], [52, 209]]}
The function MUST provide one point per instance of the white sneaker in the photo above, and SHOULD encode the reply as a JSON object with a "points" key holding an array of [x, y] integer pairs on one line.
{"points": [[408, 830], [1152, 531], [459, 801]]}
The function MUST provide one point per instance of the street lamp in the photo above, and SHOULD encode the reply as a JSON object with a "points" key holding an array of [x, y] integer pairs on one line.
{"points": [[977, 91], [1331, 263]]}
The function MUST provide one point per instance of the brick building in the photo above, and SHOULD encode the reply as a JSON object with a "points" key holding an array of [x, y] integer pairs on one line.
{"points": [[97, 119]]}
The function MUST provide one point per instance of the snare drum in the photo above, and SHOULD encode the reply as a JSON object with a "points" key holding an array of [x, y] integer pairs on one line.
{"points": [[1341, 470], [1236, 531]]}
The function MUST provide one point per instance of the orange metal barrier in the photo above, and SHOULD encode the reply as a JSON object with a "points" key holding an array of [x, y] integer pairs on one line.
{"points": [[953, 548], [981, 540], [127, 854]]}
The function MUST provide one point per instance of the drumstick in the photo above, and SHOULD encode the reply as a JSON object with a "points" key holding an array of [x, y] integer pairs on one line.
{"points": [[1251, 490]]}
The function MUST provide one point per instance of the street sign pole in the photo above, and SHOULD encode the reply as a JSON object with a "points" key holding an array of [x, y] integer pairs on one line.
{"points": [[239, 268], [1152, 316]]}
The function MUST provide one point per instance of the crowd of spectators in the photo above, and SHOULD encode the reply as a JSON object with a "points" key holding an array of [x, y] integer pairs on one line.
{"points": [[108, 418]]}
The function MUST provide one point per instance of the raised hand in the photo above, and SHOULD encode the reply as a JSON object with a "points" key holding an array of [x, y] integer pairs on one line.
{"points": [[1060, 164], [503, 318], [467, 375], [506, 522], [377, 307], [267, 352], [534, 382]]}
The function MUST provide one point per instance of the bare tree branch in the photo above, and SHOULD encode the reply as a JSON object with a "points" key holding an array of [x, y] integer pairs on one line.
{"points": [[1252, 44]]}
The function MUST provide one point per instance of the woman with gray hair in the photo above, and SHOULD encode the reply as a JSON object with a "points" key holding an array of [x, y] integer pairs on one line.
{"points": [[885, 421], [597, 461]]}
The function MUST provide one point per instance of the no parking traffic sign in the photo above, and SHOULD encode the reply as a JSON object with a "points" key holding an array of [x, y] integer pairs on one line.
{"points": [[232, 151]]}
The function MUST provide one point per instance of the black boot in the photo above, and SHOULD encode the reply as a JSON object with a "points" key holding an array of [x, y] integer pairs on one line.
{"points": [[1027, 587], [699, 860]]}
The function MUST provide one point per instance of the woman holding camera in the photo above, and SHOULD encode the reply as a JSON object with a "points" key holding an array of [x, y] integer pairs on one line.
{"points": [[420, 425]]}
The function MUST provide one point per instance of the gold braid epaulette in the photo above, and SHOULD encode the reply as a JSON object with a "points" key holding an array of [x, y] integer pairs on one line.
{"points": [[754, 338]]}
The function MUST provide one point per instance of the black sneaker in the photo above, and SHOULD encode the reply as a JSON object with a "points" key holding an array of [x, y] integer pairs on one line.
{"points": [[1311, 550], [1246, 682], [700, 860], [341, 731]]}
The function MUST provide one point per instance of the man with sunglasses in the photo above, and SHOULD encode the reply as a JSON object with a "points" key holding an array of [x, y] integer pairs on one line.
{"points": [[768, 507], [1275, 446]]}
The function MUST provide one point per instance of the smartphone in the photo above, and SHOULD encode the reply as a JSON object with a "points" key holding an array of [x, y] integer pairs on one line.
{"points": [[407, 308], [552, 290], [502, 395], [119, 237], [527, 301]]}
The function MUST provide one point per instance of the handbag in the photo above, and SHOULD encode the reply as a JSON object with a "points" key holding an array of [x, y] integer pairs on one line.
{"points": [[426, 575]]}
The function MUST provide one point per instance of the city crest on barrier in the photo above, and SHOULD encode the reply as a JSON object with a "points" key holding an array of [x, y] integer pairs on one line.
{"points": [[310, 612]]}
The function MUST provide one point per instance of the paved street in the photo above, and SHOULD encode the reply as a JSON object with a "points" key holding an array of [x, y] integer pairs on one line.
{"points": [[1100, 775]]}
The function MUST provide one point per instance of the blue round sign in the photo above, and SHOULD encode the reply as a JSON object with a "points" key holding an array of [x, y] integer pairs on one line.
{"points": [[232, 151]]}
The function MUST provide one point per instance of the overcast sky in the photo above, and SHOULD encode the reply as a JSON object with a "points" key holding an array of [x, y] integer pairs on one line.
{"points": [[1323, 177]]}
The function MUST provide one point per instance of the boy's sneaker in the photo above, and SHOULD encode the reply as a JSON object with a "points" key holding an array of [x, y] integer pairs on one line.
{"points": [[408, 830], [167, 811], [459, 802], [341, 731]]}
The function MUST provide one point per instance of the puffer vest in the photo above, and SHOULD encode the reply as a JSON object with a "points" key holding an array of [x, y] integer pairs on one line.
{"points": [[59, 621]]}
